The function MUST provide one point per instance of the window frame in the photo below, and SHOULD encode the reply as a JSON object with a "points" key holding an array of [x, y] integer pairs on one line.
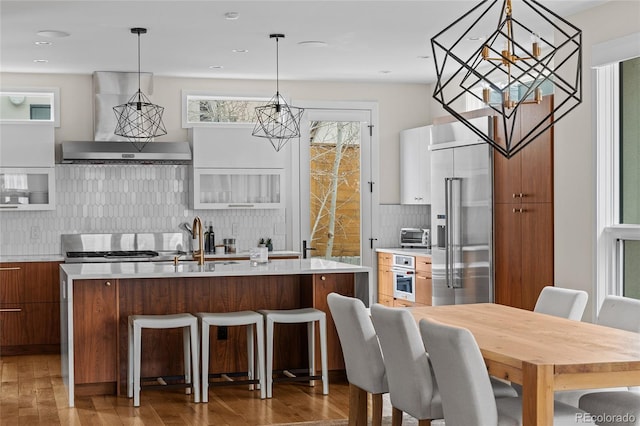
{"points": [[186, 94], [31, 91], [609, 231]]}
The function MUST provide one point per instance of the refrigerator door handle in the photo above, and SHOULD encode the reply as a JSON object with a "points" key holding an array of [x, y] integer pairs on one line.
{"points": [[447, 227], [455, 225]]}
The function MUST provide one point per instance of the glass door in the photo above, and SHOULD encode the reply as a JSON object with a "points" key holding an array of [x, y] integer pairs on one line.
{"points": [[335, 190]]}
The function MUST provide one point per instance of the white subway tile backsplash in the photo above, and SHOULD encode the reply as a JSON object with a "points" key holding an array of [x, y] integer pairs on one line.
{"points": [[154, 198]]}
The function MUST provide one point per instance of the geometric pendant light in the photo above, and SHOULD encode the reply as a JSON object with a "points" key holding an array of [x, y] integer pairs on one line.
{"points": [[139, 120], [508, 66], [277, 121]]}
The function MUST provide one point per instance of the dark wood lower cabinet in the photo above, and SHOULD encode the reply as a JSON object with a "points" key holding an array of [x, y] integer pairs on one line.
{"points": [[101, 313], [29, 308]]}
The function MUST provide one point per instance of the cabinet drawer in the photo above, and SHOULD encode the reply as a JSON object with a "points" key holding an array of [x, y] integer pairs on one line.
{"points": [[423, 264], [385, 300], [11, 321], [424, 287], [11, 280], [385, 259]]}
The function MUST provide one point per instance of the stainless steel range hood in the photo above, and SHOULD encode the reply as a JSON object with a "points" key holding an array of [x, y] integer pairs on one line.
{"points": [[111, 89], [117, 152]]}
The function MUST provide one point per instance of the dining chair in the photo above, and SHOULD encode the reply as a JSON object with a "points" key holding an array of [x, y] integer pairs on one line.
{"points": [[465, 387], [562, 302], [622, 313], [412, 386], [617, 312], [364, 365]]}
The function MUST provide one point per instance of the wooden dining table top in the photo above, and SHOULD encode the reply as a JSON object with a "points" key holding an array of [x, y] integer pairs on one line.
{"points": [[544, 353]]}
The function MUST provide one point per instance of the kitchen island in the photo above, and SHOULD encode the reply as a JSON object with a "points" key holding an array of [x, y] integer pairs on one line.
{"points": [[97, 298]]}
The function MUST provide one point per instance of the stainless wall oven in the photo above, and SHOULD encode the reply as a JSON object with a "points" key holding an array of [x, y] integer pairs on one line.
{"points": [[403, 269]]}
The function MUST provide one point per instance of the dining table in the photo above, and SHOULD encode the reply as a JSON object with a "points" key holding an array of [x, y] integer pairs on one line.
{"points": [[544, 353]]}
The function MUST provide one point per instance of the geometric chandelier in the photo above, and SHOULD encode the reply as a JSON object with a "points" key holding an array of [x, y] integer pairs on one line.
{"points": [[507, 66], [139, 120], [277, 121]]}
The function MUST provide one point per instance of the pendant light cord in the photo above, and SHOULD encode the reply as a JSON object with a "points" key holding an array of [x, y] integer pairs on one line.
{"points": [[139, 67], [277, 67]]}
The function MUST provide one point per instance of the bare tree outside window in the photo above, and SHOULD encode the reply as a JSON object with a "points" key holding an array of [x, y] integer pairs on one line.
{"points": [[202, 109], [335, 190]]}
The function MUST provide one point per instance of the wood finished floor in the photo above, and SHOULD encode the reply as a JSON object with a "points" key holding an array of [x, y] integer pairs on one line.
{"points": [[32, 393]]}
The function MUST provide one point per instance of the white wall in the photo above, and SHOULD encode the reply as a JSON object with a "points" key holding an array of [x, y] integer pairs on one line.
{"points": [[401, 106], [575, 172]]}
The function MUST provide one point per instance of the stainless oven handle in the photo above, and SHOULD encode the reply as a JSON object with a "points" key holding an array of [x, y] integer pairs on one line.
{"points": [[403, 271]]}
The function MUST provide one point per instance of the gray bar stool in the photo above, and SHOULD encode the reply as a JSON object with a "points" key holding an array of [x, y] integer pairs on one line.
{"points": [[252, 320], [296, 316], [189, 324]]}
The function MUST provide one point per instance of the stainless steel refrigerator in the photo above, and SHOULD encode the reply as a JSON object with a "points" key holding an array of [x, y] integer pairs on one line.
{"points": [[461, 215]]}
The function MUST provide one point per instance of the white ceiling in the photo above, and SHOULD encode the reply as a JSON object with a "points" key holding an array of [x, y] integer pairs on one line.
{"points": [[379, 41]]}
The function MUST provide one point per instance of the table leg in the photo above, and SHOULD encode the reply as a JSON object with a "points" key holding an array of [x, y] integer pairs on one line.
{"points": [[537, 394]]}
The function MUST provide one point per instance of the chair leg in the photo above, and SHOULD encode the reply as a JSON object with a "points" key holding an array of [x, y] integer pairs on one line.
{"points": [[250, 354], [269, 362], [425, 422], [130, 365], [357, 406], [311, 348], [137, 343], [323, 355], [205, 362], [396, 417], [376, 409], [261, 363], [194, 361], [187, 359]]}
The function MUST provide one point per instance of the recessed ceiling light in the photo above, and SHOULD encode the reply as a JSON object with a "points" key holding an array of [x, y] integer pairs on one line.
{"points": [[240, 51], [215, 67], [424, 57], [476, 38], [385, 72], [52, 33], [43, 43], [313, 43], [231, 16], [40, 61]]}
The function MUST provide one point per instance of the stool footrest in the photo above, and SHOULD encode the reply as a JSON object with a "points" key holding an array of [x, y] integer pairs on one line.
{"points": [[234, 383], [297, 378]]}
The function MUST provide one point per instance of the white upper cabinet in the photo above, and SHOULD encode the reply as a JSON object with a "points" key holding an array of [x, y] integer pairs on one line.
{"points": [[415, 166], [234, 170], [27, 145], [27, 173]]}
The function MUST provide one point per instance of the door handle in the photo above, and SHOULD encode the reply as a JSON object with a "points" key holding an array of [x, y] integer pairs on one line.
{"points": [[305, 249]]}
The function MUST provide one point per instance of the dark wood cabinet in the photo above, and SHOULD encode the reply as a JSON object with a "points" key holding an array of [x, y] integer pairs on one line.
{"points": [[523, 214], [95, 330], [29, 308]]}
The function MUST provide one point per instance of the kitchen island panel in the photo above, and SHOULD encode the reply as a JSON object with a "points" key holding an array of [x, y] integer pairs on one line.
{"points": [[95, 332], [161, 349]]}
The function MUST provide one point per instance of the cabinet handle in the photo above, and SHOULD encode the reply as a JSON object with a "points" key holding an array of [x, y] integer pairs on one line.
{"points": [[323, 278], [8, 207], [108, 284], [11, 310], [519, 195], [239, 205], [518, 210], [12, 268], [420, 277]]}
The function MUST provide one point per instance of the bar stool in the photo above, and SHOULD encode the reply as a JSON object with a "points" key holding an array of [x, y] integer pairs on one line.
{"points": [[188, 323], [252, 320], [294, 316]]}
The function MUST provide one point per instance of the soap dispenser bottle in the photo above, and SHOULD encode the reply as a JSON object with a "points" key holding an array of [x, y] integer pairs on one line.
{"points": [[211, 240]]}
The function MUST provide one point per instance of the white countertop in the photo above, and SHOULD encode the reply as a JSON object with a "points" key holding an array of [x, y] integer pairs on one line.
{"points": [[406, 251], [32, 258], [209, 269]]}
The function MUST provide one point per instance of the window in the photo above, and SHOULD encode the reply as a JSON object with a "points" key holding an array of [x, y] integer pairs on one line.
{"points": [[29, 104], [617, 103], [202, 109]]}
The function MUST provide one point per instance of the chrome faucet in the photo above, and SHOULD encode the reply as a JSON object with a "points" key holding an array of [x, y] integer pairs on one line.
{"points": [[197, 232]]}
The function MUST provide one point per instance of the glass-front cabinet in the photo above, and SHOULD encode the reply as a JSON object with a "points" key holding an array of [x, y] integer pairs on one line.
{"points": [[27, 189], [238, 188]]}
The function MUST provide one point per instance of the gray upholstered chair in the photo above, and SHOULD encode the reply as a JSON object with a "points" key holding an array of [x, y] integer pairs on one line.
{"points": [[562, 302], [613, 408], [465, 387], [623, 313], [362, 357], [412, 387]]}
